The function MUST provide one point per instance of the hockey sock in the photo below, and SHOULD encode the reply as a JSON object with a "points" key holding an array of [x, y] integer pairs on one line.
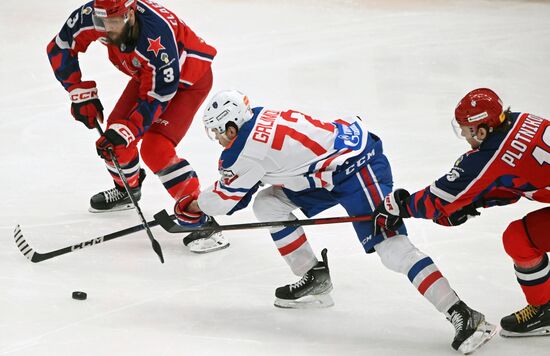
{"points": [[400, 255], [179, 179], [130, 170], [429, 281], [535, 281], [295, 249]]}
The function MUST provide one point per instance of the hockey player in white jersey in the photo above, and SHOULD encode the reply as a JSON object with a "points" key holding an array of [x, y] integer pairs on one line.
{"points": [[313, 165]]}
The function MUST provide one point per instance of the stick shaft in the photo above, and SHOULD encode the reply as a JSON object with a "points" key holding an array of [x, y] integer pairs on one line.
{"points": [[154, 242]]}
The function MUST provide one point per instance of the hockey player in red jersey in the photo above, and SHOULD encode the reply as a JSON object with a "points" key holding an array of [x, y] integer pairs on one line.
{"points": [[170, 70], [510, 159], [313, 165]]}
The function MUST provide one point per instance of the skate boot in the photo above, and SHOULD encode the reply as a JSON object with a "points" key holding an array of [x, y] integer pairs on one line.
{"points": [[312, 291], [471, 329], [529, 321], [116, 199], [206, 241]]}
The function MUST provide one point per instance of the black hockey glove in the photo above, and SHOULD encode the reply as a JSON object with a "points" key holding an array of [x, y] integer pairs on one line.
{"points": [[459, 217], [389, 214]]}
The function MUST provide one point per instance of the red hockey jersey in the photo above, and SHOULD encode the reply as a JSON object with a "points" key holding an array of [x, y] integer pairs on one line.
{"points": [[506, 166], [167, 55]]}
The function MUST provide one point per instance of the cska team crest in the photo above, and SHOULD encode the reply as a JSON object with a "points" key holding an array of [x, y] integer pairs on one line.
{"points": [[155, 45]]}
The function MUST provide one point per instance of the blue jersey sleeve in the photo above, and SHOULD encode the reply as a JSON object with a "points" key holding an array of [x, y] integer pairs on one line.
{"points": [[75, 36], [160, 81]]}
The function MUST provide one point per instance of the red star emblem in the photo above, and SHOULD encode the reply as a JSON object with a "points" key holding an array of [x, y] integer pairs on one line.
{"points": [[155, 45]]}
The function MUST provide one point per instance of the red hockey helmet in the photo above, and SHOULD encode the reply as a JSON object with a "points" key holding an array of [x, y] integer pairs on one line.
{"points": [[109, 8], [480, 106]]}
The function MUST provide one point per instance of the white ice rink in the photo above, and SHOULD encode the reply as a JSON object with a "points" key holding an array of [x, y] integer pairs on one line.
{"points": [[403, 64]]}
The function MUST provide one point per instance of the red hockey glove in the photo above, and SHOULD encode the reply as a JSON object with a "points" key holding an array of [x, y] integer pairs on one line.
{"points": [[459, 217], [111, 139], [389, 214], [185, 217], [86, 106]]}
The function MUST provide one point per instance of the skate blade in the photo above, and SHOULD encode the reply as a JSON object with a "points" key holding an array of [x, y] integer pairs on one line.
{"points": [[307, 302], [485, 331], [209, 249], [117, 208], [544, 331]]}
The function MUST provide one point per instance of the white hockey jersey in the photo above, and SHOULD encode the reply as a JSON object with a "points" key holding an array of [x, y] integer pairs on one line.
{"points": [[283, 148]]}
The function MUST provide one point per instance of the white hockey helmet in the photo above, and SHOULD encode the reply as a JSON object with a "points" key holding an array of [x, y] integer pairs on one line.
{"points": [[224, 107]]}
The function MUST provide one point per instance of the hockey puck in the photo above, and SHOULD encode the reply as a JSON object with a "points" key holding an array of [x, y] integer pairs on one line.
{"points": [[80, 295]]}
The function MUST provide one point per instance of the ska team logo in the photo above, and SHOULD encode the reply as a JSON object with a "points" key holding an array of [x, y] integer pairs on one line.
{"points": [[348, 136]]}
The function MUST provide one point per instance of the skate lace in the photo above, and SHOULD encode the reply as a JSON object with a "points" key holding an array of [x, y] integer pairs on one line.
{"points": [[300, 283], [526, 313], [458, 321], [113, 194]]}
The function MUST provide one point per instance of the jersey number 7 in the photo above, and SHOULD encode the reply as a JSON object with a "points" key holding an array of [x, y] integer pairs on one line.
{"points": [[282, 131]]}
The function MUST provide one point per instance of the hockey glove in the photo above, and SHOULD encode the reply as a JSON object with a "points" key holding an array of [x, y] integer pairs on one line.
{"points": [[109, 142], [389, 214], [86, 106], [185, 217], [459, 217]]}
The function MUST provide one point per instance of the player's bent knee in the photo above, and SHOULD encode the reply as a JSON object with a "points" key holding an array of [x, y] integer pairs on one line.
{"points": [[267, 206], [157, 151], [515, 241], [398, 253], [537, 224]]}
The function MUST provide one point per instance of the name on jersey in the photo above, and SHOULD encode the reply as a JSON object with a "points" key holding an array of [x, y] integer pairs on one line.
{"points": [[264, 126], [523, 137], [167, 14]]}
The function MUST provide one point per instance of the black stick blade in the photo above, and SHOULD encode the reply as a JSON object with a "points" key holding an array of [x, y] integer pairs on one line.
{"points": [[165, 220], [156, 246]]}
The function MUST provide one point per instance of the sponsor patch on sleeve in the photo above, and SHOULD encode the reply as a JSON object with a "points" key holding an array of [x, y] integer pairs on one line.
{"points": [[348, 136]]}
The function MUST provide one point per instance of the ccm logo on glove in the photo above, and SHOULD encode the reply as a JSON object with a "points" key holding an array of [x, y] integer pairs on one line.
{"points": [[124, 132], [82, 95]]}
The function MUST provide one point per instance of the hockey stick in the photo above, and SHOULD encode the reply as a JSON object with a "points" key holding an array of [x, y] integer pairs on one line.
{"points": [[154, 243], [35, 257], [166, 221]]}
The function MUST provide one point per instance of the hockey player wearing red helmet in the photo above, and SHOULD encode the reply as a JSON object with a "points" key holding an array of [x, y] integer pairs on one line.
{"points": [[510, 159], [170, 76], [116, 18], [477, 115]]}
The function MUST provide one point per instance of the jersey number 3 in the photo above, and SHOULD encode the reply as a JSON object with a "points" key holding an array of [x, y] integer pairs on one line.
{"points": [[168, 75]]}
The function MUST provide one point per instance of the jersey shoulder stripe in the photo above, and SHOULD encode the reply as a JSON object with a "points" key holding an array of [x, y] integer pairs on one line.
{"points": [[199, 55], [156, 36]]}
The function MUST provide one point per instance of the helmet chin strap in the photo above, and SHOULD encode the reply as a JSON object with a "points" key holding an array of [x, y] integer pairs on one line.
{"points": [[477, 139], [474, 135], [223, 139]]}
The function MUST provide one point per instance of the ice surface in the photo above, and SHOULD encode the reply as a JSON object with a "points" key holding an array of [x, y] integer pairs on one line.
{"points": [[402, 64]]}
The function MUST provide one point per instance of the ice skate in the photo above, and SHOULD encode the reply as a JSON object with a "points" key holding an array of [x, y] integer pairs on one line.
{"points": [[206, 241], [312, 291], [529, 321], [471, 329], [115, 199]]}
